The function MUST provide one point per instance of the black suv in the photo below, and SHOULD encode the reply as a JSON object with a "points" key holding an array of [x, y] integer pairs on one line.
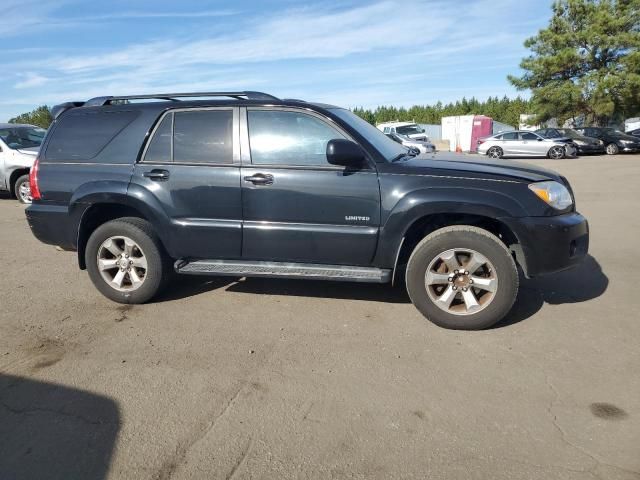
{"points": [[246, 184], [614, 140]]}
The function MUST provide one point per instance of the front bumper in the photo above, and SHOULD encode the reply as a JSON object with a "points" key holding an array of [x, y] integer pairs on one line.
{"points": [[630, 149], [550, 244]]}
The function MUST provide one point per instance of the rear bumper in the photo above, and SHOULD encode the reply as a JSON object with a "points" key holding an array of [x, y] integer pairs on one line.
{"points": [[550, 244], [50, 224]]}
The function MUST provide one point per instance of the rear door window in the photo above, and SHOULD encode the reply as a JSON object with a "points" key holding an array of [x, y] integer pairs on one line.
{"points": [[82, 136], [199, 136], [510, 136], [203, 136]]}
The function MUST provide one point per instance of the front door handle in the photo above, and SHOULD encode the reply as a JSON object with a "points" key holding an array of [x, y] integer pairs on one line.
{"points": [[260, 179], [156, 174]]}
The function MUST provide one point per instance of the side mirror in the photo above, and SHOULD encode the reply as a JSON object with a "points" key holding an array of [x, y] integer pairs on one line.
{"points": [[344, 152]]}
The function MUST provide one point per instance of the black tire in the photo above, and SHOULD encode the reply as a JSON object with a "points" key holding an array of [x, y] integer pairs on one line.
{"points": [[463, 237], [495, 152], [612, 149], [22, 180], [158, 268]]}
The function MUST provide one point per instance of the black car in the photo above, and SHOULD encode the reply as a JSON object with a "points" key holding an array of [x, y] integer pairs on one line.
{"points": [[246, 184], [585, 144], [614, 140]]}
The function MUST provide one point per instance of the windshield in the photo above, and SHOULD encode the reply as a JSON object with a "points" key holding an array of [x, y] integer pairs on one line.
{"points": [[569, 132], [22, 137], [409, 129], [387, 147]]}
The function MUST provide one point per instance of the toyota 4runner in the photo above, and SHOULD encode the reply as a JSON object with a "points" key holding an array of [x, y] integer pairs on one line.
{"points": [[246, 184]]}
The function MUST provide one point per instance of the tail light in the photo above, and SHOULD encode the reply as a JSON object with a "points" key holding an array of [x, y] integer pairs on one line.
{"points": [[481, 141], [33, 181]]}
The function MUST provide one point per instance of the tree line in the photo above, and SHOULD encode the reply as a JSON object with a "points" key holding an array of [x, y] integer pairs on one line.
{"points": [[505, 110]]}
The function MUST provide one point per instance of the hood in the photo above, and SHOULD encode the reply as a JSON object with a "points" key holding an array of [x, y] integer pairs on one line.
{"points": [[624, 136], [459, 164], [29, 151]]}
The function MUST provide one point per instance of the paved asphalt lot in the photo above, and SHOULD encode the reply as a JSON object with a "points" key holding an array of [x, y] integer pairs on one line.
{"points": [[281, 379]]}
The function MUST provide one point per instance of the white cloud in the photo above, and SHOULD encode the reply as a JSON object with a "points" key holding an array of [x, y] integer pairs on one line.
{"points": [[30, 79]]}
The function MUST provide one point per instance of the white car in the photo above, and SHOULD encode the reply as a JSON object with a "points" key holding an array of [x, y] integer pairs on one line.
{"points": [[19, 145], [407, 129], [421, 145], [525, 144]]}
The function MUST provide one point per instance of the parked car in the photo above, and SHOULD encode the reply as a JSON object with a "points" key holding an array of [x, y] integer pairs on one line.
{"points": [[614, 140], [19, 144], [245, 184], [525, 144], [635, 133], [584, 144], [421, 146], [407, 129]]}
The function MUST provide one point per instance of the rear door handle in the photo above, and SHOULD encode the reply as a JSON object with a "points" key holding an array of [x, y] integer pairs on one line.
{"points": [[156, 174], [260, 179]]}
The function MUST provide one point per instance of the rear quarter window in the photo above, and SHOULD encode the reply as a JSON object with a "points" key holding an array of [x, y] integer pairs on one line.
{"points": [[82, 136]]}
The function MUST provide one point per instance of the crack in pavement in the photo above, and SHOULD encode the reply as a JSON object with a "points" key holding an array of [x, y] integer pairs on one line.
{"points": [[170, 466], [243, 456]]}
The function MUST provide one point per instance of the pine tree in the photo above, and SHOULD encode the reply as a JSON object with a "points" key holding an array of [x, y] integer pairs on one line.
{"points": [[586, 62]]}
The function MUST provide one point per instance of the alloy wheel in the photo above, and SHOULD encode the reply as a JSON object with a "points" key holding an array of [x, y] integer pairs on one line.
{"points": [[556, 152], [494, 152], [122, 263], [24, 192], [461, 281]]}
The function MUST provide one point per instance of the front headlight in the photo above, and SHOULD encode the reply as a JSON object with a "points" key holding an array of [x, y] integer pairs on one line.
{"points": [[552, 193]]}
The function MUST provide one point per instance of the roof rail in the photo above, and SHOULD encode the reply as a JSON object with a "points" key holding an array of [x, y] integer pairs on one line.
{"points": [[98, 101]]}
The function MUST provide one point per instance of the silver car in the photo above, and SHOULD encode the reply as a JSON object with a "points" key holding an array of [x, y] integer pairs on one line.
{"points": [[525, 144], [423, 146]]}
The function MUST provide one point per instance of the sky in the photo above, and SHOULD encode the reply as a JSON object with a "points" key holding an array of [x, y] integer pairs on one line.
{"points": [[350, 53]]}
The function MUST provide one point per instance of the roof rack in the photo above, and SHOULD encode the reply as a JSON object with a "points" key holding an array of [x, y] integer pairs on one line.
{"points": [[58, 110], [249, 95]]}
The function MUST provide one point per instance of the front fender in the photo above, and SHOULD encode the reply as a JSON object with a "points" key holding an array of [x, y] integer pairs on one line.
{"points": [[409, 208]]}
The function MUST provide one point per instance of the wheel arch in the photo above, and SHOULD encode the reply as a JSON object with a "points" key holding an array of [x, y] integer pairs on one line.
{"points": [[90, 216], [15, 175], [423, 226]]}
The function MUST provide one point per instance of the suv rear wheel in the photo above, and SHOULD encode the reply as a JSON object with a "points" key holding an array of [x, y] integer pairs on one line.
{"points": [[462, 277], [125, 260]]}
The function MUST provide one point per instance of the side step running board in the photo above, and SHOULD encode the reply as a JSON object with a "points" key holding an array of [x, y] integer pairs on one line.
{"points": [[284, 270]]}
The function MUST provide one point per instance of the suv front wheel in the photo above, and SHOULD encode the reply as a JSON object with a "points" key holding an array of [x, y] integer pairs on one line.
{"points": [[125, 260], [462, 277]]}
